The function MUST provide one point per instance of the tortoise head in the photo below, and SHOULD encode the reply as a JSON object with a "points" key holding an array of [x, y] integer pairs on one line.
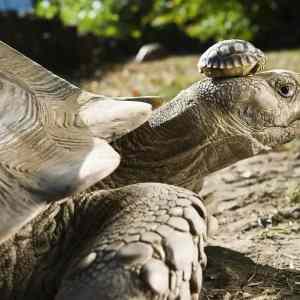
{"points": [[251, 113], [54, 137], [267, 105]]}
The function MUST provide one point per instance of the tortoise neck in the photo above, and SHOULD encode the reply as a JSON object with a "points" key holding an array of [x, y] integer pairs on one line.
{"points": [[180, 144], [158, 151]]}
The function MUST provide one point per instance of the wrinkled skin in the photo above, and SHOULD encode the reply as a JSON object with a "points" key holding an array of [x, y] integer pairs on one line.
{"points": [[146, 241]]}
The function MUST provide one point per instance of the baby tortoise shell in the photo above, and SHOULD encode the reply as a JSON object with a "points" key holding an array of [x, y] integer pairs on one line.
{"points": [[230, 58]]}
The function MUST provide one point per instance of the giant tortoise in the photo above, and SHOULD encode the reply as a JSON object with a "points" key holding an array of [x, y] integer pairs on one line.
{"points": [[140, 232]]}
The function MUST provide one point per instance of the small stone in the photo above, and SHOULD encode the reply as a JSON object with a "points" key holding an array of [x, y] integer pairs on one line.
{"points": [[150, 52]]}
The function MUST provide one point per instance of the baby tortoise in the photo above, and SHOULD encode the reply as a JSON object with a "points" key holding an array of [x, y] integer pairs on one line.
{"points": [[230, 58]]}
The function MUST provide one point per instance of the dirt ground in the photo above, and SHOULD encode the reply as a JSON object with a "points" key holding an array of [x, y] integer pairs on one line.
{"points": [[256, 252]]}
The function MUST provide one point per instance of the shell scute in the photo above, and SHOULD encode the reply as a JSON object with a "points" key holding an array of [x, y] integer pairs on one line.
{"points": [[231, 58]]}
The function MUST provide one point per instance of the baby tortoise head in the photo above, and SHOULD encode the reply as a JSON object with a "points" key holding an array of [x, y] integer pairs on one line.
{"points": [[231, 58]]}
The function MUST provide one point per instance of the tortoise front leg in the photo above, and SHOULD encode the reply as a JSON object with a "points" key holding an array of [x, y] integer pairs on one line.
{"points": [[151, 247]]}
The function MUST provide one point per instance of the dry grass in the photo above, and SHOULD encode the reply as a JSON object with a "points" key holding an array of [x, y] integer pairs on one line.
{"points": [[162, 77], [167, 76]]}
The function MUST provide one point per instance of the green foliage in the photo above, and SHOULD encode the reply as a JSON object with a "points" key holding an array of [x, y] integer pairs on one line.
{"points": [[123, 19], [203, 20], [107, 18]]}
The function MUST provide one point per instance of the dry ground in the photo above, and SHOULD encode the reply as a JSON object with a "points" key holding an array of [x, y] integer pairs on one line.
{"points": [[256, 251], [257, 204]]}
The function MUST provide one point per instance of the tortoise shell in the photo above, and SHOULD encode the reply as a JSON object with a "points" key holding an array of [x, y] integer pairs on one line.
{"points": [[230, 58]]}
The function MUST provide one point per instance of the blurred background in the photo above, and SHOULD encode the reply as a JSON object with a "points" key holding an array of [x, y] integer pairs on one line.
{"points": [[94, 42]]}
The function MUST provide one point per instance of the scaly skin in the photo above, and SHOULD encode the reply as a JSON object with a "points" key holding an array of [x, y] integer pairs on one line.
{"points": [[140, 241]]}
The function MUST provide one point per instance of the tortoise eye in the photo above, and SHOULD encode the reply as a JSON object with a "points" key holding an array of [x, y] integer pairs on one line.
{"points": [[286, 90]]}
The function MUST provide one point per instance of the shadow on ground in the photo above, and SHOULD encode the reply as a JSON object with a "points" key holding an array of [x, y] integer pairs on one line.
{"points": [[232, 275]]}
